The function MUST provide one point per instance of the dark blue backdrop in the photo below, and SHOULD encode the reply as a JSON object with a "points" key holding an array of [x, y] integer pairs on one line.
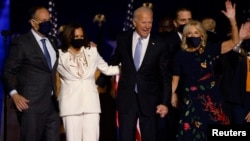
{"points": [[4, 26], [115, 11]]}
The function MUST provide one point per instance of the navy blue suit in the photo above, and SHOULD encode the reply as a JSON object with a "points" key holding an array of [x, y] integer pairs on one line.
{"points": [[153, 83], [26, 70]]}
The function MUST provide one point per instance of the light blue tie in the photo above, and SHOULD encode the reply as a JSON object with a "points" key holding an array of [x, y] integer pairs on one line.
{"points": [[137, 55], [46, 53]]}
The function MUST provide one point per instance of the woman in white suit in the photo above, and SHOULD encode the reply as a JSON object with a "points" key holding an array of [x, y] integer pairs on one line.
{"points": [[78, 96]]}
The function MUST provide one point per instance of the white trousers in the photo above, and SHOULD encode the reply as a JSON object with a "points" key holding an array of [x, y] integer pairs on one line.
{"points": [[83, 127]]}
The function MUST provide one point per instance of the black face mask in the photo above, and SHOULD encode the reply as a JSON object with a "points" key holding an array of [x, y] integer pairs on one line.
{"points": [[78, 43], [193, 41], [45, 27], [181, 27]]}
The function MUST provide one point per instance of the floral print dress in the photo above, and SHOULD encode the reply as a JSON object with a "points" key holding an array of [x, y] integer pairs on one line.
{"points": [[201, 101]]}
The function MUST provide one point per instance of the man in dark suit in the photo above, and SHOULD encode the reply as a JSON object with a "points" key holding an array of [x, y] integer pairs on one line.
{"points": [[143, 92], [182, 17], [30, 79]]}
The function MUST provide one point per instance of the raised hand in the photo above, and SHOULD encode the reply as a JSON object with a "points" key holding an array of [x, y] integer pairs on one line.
{"points": [[244, 32], [230, 9]]}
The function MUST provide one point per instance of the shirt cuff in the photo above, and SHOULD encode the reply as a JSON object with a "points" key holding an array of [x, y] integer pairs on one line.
{"points": [[13, 92]]}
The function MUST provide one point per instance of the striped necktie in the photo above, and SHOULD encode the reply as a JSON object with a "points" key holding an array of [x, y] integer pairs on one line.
{"points": [[46, 53]]}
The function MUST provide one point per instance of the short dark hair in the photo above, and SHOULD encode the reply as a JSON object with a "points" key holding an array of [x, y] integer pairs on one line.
{"points": [[181, 9], [33, 9]]}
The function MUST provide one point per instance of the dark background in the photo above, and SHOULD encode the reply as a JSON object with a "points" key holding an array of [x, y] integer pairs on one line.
{"points": [[83, 11]]}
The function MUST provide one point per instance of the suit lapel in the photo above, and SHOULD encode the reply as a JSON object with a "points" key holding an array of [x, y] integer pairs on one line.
{"points": [[150, 47], [129, 47], [54, 45], [37, 48]]}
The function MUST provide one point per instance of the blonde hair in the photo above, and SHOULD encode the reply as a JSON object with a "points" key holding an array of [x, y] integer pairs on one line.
{"points": [[201, 30]]}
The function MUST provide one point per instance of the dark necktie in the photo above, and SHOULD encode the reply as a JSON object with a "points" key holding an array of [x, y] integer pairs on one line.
{"points": [[46, 53], [137, 55]]}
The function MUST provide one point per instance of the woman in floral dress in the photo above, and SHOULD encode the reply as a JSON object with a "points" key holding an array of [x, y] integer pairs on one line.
{"points": [[201, 102]]}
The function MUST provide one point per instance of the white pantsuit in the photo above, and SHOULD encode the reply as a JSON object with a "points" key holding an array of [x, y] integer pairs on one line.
{"points": [[78, 96], [84, 127]]}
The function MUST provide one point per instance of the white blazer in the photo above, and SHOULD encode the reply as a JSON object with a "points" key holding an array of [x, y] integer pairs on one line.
{"points": [[78, 92]]}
